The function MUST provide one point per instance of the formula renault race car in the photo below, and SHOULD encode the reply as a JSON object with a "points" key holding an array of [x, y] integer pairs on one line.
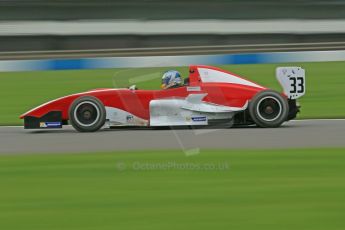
{"points": [[210, 96]]}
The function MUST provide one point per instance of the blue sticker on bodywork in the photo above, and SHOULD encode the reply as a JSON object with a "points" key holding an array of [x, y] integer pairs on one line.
{"points": [[200, 118], [55, 124]]}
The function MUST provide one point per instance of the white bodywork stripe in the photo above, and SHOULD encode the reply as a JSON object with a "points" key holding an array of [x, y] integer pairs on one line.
{"points": [[117, 117], [194, 102], [189, 111], [215, 76]]}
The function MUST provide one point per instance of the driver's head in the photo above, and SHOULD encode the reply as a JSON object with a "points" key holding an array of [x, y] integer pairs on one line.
{"points": [[171, 79]]}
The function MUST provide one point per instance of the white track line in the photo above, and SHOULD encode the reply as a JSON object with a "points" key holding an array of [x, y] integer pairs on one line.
{"points": [[322, 119], [318, 119], [19, 126]]}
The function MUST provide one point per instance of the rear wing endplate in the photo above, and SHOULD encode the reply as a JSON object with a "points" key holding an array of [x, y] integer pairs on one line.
{"points": [[292, 79]]}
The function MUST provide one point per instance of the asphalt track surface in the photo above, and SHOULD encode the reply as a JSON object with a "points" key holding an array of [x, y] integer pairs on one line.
{"points": [[293, 134]]}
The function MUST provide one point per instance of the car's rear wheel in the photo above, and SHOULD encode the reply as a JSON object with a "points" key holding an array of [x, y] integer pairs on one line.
{"points": [[268, 109], [87, 114]]}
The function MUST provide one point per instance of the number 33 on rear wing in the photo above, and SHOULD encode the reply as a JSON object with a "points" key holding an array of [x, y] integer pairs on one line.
{"points": [[292, 79]]}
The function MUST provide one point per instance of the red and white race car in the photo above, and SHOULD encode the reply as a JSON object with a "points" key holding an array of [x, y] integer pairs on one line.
{"points": [[210, 96]]}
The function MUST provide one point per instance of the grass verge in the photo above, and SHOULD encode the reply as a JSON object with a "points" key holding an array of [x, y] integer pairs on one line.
{"points": [[272, 189]]}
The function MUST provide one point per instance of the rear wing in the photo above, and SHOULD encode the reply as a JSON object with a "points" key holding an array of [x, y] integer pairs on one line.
{"points": [[292, 79]]}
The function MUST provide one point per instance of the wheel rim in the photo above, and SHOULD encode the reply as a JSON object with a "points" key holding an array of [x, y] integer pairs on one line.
{"points": [[269, 108], [86, 113]]}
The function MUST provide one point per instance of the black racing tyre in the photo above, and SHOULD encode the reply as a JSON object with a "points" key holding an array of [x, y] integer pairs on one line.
{"points": [[268, 109], [87, 114]]}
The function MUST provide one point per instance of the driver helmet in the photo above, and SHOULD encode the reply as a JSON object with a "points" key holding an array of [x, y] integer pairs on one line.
{"points": [[171, 79]]}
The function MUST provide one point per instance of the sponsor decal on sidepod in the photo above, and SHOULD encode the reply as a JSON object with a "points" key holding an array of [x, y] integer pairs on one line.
{"points": [[199, 118], [50, 124]]}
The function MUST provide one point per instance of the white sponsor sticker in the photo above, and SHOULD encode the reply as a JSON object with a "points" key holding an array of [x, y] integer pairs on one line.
{"points": [[193, 88]]}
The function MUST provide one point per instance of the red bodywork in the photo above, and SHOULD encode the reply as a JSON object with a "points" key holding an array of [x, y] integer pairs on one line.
{"points": [[137, 102]]}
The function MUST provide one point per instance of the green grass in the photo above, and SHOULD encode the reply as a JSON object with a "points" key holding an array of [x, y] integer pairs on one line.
{"points": [[266, 189], [21, 91]]}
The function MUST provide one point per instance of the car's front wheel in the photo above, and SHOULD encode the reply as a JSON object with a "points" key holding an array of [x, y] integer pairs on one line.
{"points": [[268, 109], [87, 114]]}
